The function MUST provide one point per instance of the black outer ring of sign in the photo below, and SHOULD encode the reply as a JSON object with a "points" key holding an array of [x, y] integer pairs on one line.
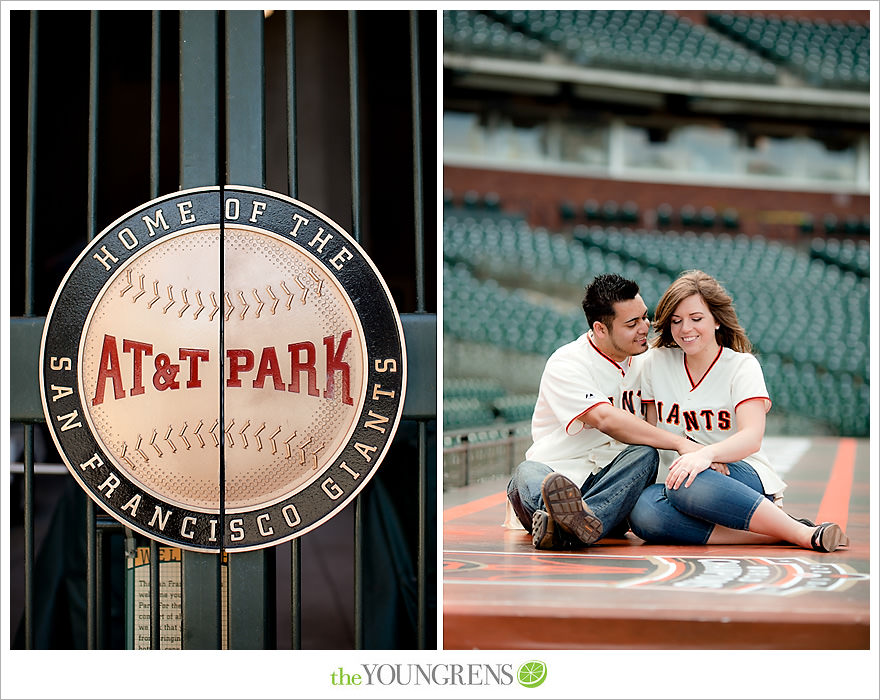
{"points": [[257, 527]]}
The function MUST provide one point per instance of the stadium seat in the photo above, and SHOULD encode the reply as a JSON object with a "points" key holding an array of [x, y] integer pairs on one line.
{"points": [[834, 55], [830, 224], [707, 217], [448, 198], [730, 218], [664, 215], [807, 225], [566, 211], [687, 215], [610, 211], [497, 271], [470, 32], [852, 225], [591, 210], [629, 212], [471, 199]]}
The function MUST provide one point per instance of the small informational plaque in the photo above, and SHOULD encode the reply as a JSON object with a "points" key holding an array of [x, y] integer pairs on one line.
{"points": [[139, 605]]}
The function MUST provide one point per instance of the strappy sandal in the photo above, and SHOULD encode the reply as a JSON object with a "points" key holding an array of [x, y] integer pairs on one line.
{"points": [[827, 537]]}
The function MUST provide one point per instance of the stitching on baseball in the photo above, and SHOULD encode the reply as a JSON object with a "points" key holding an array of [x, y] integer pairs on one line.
{"points": [[243, 442], [230, 305]]}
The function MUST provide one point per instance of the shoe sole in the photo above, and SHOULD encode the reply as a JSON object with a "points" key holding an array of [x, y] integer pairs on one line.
{"points": [[542, 530], [832, 537], [566, 507]]}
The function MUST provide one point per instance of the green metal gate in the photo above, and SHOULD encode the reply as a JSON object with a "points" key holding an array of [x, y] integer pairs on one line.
{"points": [[119, 107]]}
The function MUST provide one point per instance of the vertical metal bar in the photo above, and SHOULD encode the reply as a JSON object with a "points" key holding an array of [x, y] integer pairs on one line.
{"points": [[358, 573], [418, 209], [155, 111], [295, 594], [222, 590], [91, 576], [155, 600], [199, 115], [295, 549], [250, 619], [201, 628], [421, 581], [245, 104], [290, 71], [91, 202], [31, 183], [130, 624], [93, 125], [199, 108], [30, 194], [222, 100], [354, 111], [419, 225], [155, 101], [28, 535], [99, 586]]}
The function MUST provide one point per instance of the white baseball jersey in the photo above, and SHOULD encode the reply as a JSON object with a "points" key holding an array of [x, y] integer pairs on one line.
{"points": [[577, 377], [704, 408]]}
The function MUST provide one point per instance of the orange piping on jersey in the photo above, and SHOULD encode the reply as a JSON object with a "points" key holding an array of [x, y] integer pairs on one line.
{"points": [[578, 416], [613, 362], [754, 398], [708, 369]]}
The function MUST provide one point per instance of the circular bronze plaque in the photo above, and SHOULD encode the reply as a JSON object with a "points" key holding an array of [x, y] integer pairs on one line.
{"points": [[223, 368]]}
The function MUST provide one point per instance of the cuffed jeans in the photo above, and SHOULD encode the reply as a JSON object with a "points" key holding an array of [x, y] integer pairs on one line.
{"points": [[610, 493], [688, 515]]}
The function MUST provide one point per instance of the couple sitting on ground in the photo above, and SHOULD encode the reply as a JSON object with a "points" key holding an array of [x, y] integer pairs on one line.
{"points": [[606, 405]]}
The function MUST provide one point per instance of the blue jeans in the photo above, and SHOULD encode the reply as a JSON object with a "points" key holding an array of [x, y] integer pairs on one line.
{"points": [[688, 515], [611, 493]]}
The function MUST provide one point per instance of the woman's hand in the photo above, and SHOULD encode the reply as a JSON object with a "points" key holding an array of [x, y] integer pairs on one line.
{"points": [[686, 467]]}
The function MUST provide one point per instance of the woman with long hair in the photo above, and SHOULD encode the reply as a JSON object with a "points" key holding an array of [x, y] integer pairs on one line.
{"points": [[701, 380]]}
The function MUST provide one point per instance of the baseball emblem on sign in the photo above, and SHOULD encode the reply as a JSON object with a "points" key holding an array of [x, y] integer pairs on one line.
{"points": [[223, 369]]}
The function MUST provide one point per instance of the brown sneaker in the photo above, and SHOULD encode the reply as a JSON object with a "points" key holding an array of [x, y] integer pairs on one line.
{"points": [[545, 534], [565, 506]]}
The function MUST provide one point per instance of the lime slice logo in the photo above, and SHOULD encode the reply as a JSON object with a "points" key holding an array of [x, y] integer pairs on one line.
{"points": [[531, 674]]}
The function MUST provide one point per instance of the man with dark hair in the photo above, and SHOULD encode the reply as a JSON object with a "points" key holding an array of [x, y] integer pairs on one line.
{"points": [[592, 452]]}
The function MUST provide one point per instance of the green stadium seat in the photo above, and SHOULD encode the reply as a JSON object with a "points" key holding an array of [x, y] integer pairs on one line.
{"points": [[629, 212], [832, 55], [830, 224], [730, 218], [687, 215], [610, 211], [471, 199], [664, 215], [448, 198], [567, 211], [707, 217], [781, 293], [592, 211], [806, 224], [852, 225]]}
